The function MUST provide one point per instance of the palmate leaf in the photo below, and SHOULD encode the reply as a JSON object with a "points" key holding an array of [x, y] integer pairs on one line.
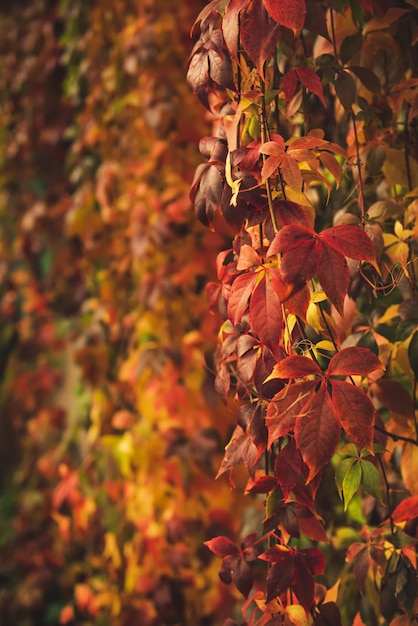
{"points": [[315, 410], [234, 564], [293, 569], [306, 253]]}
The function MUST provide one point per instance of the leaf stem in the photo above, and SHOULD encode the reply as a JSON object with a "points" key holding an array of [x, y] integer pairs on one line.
{"points": [[265, 135], [394, 437]]}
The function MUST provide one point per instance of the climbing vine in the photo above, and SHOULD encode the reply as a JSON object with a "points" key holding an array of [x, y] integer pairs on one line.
{"points": [[312, 167]]}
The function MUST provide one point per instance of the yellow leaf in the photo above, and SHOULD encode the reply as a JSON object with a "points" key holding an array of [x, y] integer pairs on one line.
{"points": [[296, 615], [409, 467], [111, 549], [394, 168]]}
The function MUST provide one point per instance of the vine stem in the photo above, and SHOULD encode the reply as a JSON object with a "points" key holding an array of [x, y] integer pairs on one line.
{"points": [[387, 487], [360, 175], [265, 135], [394, 437]]}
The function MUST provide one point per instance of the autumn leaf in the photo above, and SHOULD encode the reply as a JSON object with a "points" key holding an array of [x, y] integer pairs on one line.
{"points": [[306, 253], [234, 563], [266, 309], [316, 409], [293, 569], [209, 66], [259, 34], [288, 13], [407, 510]]}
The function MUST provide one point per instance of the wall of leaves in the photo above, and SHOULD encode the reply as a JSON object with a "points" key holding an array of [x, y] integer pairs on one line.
{"points": [[110, 432]]}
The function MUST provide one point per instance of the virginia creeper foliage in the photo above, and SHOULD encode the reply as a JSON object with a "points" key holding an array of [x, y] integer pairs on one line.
{"points": [[312, 169]]}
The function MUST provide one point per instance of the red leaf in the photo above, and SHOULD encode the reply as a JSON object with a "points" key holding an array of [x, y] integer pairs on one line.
{"points": [[288, 13], [259, 34], [235, 568], [289, 84], [315, 19], [351, 241], [406, 510], [296, 367], [317, 433], [334, 276], [266, 314], [240, 449], [277, 554], [312, 528], [287, 467], [286, 407], [310, 79], [242, 288], [355, 411], [393, 395], [288, 212], [353, 362], [301, 265], [221, 546], [278, 580], [291, 173], [314, 560], [303, 584], [263, 484], [230, 25]]}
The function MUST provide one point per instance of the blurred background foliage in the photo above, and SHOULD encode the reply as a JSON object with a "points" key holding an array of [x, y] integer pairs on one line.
{"points": [[110, 433]]}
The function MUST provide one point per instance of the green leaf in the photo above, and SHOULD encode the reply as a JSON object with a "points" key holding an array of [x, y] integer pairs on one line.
{"points": [[341, 471], [351, 483], [371, 480], [350, 46], [346, 90]]}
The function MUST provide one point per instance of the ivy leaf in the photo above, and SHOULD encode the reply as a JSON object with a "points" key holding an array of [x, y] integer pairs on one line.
{"points": [[287, 467], [288, 13], [288, 212], [413, 353]]}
